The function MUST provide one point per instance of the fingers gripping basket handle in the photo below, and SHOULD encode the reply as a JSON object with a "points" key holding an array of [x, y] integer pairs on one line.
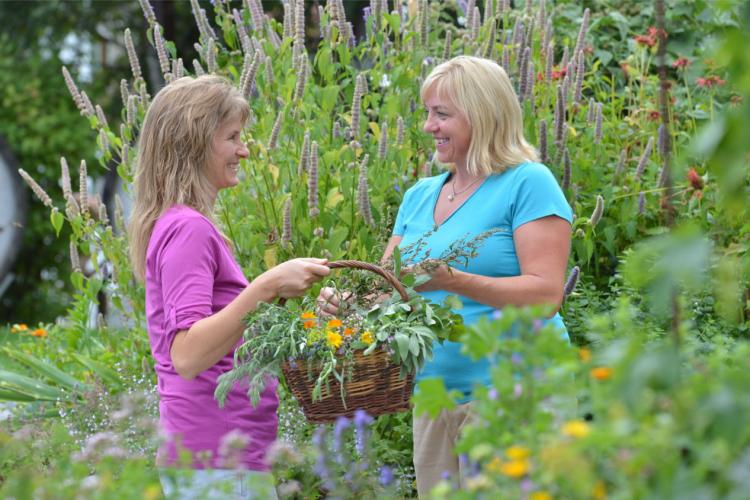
{"points": [[358, 264]]}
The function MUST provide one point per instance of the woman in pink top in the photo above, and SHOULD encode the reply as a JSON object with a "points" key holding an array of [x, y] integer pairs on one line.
{"points": [[189, 148]]}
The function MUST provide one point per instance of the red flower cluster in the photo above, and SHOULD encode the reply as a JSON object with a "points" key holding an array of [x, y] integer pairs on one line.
{"points": [[696, 181], [558, 74], [710, 81], [650, 38], [681, 62], [654, 115]]}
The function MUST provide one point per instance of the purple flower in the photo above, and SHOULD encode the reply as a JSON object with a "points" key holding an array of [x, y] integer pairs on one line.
{"points": [[517, 390], [386, 475], [497, 314], [527, 485], [492, 394], [342, 423], [516, 358], [537, 324], [396, 186], [445, 475]]}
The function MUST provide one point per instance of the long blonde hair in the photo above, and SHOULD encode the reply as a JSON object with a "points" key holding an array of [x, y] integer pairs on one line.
{"points": [[174, 148], [482, 92]]}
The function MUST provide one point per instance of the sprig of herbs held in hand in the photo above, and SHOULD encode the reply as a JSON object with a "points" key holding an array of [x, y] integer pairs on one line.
{"points": [[294, 332]]}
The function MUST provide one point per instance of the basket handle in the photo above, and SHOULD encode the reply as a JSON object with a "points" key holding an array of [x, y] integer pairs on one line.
{"points": [[358, 264]]}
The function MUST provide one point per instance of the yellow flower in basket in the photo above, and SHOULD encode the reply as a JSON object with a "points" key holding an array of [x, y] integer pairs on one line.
{"points": [[308, 315], [334, 339], [367, 337]]}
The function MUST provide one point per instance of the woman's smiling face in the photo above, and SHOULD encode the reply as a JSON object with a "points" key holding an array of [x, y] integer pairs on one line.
{"points": [[449, 128], [227, 149]]}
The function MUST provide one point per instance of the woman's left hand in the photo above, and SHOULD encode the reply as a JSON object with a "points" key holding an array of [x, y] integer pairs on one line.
{"points": [[441, 276]]}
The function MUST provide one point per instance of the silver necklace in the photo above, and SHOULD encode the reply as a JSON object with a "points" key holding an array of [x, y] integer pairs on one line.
{"points": [[455, 193]]}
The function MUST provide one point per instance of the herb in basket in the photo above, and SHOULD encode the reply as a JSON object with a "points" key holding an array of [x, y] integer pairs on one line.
{"points": [[404, 326]]}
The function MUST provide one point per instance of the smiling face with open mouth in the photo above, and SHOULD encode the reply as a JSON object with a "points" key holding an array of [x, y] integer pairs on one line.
{"points": [[449, 128], [227, 149]]}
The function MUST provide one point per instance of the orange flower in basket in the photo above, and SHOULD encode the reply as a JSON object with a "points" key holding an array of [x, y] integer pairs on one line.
{"points": [[334, 323], [367, 338], [308, 315], [348, 332], [308, 324], [334, 339]]}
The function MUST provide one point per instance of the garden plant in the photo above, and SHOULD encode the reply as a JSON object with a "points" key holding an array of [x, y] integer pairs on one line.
{"points": [[639, 110]]}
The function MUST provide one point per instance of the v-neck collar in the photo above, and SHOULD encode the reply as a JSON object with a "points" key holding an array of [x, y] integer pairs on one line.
{"points": [[436, 197]]}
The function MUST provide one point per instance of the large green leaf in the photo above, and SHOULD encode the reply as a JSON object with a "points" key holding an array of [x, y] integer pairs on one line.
{"points": [[51, 372], [15, 382]]}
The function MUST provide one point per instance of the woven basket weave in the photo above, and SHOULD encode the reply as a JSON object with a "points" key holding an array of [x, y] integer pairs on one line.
{"points": [[371, 382]]}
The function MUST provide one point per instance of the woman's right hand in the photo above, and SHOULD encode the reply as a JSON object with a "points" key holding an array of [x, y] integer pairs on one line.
{"points": [[294, 277], [330, 301]]}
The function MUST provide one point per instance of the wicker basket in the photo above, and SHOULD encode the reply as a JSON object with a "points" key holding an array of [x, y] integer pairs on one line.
{"points": [[371, 383]]}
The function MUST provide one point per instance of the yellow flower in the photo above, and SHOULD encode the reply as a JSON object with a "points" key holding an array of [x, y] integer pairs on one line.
{"points": [[308, 315], [600, 491], [495, 465], [334, 339], [517, 453], [19, 328], [515, 468], [334, 323], [308, 324], [540, 495], [39, 332], [601, 372], [348, 332], [576, 429], [584, 354], [367, 337]]}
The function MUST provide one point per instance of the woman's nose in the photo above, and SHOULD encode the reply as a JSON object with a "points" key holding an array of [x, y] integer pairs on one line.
{"points": [[243, 151], [429, 125]]}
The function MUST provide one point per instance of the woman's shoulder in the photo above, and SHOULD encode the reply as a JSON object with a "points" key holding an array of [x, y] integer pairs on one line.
{"points": [[183, 219], [529, 169], [427, 185]]}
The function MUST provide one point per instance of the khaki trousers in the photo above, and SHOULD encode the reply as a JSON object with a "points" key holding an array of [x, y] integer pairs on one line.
{"points": [[434, 441]]}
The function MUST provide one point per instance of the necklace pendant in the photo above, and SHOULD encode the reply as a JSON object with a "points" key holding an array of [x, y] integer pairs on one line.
{"points": [[450, 197]]}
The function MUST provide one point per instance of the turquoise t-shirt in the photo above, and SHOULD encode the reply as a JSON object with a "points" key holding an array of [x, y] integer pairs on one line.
{"points": [[506, 201]]}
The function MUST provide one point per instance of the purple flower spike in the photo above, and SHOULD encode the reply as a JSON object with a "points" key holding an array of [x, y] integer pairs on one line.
{"points": [[386, 476]]}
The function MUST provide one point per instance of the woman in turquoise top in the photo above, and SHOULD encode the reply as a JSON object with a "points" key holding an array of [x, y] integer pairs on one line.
{"points": [[494, 181]]}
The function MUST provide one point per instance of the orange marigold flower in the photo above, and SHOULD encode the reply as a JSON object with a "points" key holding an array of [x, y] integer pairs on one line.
{"points": [[39, 332], [308, 324], [576, 429], [584, 354], [19, 328], [348, 332], [367, 338], [308, 315], [334, 339], [515, 468], [334, 323], [517, 453], [601, 372]]}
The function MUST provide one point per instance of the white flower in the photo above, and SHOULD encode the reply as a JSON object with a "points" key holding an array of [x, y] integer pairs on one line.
{"points": [[461, 21], [385, 81]]}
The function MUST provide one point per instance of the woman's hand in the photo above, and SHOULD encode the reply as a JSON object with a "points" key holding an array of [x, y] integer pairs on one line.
{"points": [[330, 301], [294, 277], [440, 277]]}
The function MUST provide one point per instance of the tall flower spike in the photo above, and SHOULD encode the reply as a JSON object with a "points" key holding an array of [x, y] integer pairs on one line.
{"points": [[161, 50], [580, 68], [363, 197], [470, 13], [530, 78], [590, 111], [211, 56], [383, 143], [135, 66], [336, 132], [566, 170], [304, 156], [36, 188], [399, 131], [124, 91], [198, 68], [286, 230], [100, 117], [641, 203], [621, 162], [543, 141], [662, 179], [548, 62], [87, 109], [661, 142], [178, 69], [356, 105], [148, 12], [299, 26], [596, 215], [541, 19], [312, 181], [582, 31], [275, 132], [83, 187], [490, 46], [299, 89], [559, 124], [70, 83], [130, 110], [67, 186], [487, 10], [475, 23], [71, 207], [104, 140], [523, 73], [572, 281], [643, 161], [269, 71], [598, 124], [119, 214], [506, 58], [103, 216], [288, 20], [75, 260], [424, 20], [448, 44]]}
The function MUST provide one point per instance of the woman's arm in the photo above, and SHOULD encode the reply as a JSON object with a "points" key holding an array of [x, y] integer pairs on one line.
{"points": [[542, 246], [211, 338]]}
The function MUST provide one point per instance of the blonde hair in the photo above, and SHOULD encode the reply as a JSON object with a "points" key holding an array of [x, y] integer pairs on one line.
{"points": [[482, 92], [174, 147]]}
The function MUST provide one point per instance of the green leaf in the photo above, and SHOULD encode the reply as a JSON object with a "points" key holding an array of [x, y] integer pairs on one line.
{"points": [[57, 220], [50, 371], [414, 345], [432, 397], [106, 374], [402, 341], [34, 388]]}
